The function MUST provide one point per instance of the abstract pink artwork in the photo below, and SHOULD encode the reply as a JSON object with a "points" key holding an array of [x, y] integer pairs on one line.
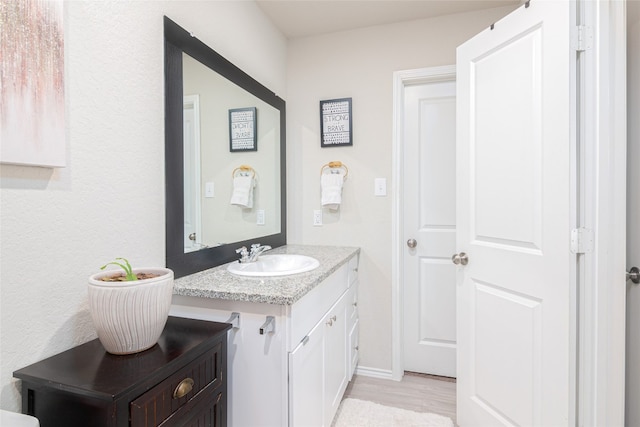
{"points": [[32, 83]]}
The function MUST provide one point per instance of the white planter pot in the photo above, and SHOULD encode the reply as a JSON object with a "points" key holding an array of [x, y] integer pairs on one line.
{"points": [[130, 316]]}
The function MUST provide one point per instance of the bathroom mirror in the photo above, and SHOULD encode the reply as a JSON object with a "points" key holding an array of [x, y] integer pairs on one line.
{"points": [[220, 124]]}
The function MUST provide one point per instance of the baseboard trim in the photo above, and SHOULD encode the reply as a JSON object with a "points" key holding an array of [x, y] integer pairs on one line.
{"points": [[374, 372]]}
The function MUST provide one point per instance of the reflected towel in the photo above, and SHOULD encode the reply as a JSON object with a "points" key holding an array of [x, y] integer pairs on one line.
{"points": [[243, 191], [331, 185]]}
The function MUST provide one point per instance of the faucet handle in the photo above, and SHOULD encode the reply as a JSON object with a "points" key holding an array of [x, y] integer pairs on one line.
{"points": [[244, 254], [255, 246]]}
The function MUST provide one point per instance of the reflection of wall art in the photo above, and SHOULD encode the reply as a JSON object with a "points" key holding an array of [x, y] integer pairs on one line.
{"points": [[32, 86], [242, 129], [335, 123]]}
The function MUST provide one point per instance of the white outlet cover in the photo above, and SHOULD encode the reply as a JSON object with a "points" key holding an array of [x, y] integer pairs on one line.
{"points": [[317, 217]]}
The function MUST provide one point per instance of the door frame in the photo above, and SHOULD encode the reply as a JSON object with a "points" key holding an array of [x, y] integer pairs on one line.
{"points": [[600, 338], [602, 191], [401, 79]]}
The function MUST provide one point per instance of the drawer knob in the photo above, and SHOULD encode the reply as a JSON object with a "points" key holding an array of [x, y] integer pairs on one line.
{"points": [[331, 320], [185, 386]]}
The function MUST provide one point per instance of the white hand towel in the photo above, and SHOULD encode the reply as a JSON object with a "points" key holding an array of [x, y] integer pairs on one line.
{"points": [[331, 185], [243, 191]]}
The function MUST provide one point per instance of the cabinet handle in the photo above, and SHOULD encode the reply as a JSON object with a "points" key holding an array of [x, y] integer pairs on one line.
{"points": [[185, 386], [331, 320]]}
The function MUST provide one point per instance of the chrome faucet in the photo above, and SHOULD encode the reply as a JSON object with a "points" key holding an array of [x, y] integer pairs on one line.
{"points": [[256, 251]]}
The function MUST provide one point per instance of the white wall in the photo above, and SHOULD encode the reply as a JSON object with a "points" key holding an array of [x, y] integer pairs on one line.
{"points": [[632, 416], [360, 64], [59, 226]]}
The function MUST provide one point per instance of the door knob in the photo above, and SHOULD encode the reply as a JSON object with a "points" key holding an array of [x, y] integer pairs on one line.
{"points": [[412, 243], [634, 275], [460, 258], [192, 237]]}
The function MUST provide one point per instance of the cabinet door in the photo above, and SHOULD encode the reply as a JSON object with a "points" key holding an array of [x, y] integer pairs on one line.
{"points": [[335, 357], [352, 340], [306, 377], [353, 349]]}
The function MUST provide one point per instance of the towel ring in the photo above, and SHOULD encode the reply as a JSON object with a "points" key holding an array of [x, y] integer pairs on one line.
{"points": [[243, 168], [335, 165]]}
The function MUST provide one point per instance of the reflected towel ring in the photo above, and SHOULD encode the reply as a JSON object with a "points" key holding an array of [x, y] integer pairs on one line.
{"points": [[243, 168], [336, 165]]}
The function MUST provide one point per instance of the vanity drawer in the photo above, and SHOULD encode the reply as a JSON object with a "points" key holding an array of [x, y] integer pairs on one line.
{"points": [[353, 269], [352, 303], [202, 376]]}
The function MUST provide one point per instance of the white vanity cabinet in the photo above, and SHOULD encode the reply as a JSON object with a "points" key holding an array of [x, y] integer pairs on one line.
{"points": [[297, 374]]}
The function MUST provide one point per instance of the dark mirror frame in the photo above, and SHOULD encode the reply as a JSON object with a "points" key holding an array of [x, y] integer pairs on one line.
{"points": [[176, 42]]}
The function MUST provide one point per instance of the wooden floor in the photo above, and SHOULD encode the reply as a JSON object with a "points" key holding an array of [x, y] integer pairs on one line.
{"points": [[416, 392]]}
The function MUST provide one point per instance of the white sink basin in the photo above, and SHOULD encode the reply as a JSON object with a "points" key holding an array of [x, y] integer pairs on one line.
{"points": [[275, 265]]}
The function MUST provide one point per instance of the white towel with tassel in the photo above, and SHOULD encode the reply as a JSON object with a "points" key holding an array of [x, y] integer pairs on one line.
{"points": [[331, 185], [243, 191]]}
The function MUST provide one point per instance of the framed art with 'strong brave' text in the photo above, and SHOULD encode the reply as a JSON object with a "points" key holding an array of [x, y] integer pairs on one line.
{"points": [[336, 125], [242, 129]]}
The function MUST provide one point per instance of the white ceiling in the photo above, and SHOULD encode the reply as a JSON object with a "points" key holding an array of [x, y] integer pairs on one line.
{"points": [[302, 18]]}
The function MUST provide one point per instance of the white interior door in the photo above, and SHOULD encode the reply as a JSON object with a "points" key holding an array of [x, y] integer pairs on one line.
{"points": [[514, 220], [429, 207], [192, 186]]}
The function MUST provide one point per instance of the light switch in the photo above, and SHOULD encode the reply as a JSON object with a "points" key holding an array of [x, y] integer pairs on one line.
{"points": [[380, 187], [209, 189], [260, 217]]}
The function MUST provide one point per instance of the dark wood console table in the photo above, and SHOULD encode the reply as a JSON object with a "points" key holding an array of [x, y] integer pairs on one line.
{"points": [[181, 381]]}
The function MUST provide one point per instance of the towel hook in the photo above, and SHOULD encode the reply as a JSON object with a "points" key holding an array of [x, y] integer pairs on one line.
{"points": [[336, 165], [243, 168], [234, 319], [268, 326]]}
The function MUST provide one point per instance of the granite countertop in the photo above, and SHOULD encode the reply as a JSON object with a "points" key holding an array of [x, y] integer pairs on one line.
{"points": [[218, 283]]}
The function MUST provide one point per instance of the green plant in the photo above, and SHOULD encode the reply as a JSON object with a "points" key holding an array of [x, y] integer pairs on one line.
{"points": [[126, 267]]}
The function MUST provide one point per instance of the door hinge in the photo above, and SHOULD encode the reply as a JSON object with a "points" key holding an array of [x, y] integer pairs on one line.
{"points": [[581, 241], [582, 38]]}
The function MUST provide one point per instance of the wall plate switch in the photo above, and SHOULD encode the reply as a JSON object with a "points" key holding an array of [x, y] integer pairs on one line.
{"points": [[209, 189], [260, 217], [317, 217], [380, 187]]}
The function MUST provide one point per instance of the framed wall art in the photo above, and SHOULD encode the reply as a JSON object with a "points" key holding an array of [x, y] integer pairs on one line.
{"points": [[243, 129], [336, 126], [32, 99]]}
